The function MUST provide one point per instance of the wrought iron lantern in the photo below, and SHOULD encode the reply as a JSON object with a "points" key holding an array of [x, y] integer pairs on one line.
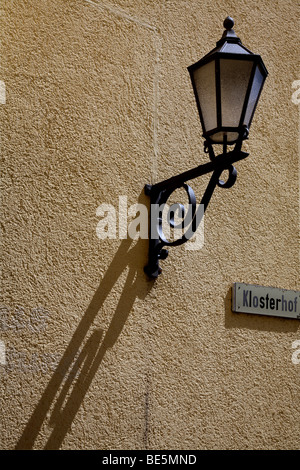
{"points": [[227, 84]]}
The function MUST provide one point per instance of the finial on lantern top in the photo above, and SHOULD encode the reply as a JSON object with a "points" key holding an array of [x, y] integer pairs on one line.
{"points": [[228, 23], [229, 34]]}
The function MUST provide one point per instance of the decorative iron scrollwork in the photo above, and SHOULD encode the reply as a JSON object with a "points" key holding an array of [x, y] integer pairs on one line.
{"points": [[160, 193], [187, 218]]}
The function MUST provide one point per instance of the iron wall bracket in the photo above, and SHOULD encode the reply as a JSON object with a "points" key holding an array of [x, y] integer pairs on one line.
{"points": [[159, 193]]}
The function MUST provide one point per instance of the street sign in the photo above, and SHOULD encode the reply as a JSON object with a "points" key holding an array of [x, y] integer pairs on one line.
{"points": [[261, 300]]}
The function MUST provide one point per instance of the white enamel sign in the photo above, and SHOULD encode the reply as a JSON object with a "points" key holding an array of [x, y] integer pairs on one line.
{"points": [[260, 300]]}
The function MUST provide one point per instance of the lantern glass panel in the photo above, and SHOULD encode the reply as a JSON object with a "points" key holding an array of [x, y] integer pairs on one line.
{"points": [[234, 80], [205, 83], [218, 137], [254, 95]]}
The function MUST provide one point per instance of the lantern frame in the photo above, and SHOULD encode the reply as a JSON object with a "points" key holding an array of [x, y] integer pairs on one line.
{"points": [[216, 55]]}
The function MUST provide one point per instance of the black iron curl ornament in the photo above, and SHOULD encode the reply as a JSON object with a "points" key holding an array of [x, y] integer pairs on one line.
{"points": [[227, 84], [160, 193]]}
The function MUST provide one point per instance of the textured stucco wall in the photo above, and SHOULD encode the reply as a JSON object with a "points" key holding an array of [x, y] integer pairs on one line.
{"points": [[98, 103]]}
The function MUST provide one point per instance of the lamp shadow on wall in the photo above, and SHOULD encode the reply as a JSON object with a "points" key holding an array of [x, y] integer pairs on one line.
{"points": [[81, 360], [256, 322]]}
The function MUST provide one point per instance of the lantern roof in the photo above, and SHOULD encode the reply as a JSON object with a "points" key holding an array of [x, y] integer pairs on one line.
{"points": [[229, 44]]}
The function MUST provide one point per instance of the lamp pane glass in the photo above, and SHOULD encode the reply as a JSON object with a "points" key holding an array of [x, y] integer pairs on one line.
{"points": [[254, 94], [235, 75], [205, 83], [231, 137]]}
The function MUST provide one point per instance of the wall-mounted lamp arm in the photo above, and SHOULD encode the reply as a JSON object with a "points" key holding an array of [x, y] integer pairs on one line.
{"points": [[227, 84], [160, 192]]}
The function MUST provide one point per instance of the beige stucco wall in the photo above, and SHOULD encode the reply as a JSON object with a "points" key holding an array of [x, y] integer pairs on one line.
{"points": [[98, 103]]}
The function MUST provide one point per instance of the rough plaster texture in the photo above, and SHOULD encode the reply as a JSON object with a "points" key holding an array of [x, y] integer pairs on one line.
{"points": [[98, 103]]}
